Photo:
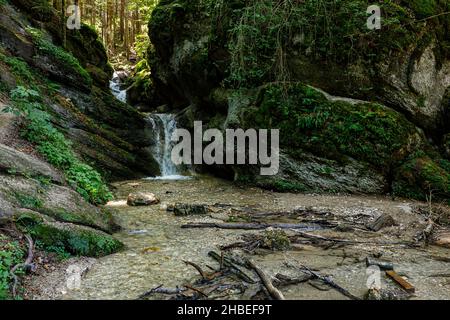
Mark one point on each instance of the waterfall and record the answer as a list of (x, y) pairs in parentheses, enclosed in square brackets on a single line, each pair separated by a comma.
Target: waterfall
[(164, 125), (115, 86)]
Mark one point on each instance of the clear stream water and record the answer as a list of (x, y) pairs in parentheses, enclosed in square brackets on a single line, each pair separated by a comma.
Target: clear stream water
[(156, 245)]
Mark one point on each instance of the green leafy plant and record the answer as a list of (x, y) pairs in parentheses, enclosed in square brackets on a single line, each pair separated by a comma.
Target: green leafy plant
[(10, 255), (55, 147), (29, 202), (19, 68)]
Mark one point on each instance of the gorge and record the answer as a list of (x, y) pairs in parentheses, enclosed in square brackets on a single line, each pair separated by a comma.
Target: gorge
[(87, 116)]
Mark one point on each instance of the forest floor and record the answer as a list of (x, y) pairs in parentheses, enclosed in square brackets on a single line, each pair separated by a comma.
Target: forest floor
[(334, 240)]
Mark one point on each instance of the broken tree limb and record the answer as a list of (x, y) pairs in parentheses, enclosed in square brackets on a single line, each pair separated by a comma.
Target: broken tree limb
[(27, 265), (231, 266), (247, 226), (282, 280), (327, 280), (196, 267), (162, 290), (346, 241), (274, 292), (196, 290)]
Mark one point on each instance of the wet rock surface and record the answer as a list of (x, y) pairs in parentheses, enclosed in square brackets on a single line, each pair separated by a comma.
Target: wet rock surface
[(141, 199)]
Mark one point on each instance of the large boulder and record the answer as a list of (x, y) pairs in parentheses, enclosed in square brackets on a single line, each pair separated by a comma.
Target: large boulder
[(79, 96), (74, 239), (59, 202)]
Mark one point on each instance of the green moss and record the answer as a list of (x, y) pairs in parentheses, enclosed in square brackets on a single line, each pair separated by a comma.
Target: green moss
[(58, 151), (308, 121), (76, 240), (420, 175), (19, 68), (65, 59), (28, 201)]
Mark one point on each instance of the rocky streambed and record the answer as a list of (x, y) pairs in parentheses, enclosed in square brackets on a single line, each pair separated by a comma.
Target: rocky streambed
[(156, 245)]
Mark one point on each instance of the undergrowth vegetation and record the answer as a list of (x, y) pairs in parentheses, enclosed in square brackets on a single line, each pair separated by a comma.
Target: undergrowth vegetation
[(52, 144), (262, 33), (10, 254)]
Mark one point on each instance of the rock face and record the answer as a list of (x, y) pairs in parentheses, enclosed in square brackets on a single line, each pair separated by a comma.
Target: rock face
[(110, 134), (358, 110), (17, 162), (72, 86), (142, 199)]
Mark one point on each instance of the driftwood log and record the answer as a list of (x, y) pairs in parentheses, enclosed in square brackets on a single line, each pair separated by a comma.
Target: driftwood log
[(247, 226), (274, 292)]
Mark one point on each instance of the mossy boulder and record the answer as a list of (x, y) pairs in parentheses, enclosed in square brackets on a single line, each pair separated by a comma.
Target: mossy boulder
[(421, 176), (74, 239), (59, 202)]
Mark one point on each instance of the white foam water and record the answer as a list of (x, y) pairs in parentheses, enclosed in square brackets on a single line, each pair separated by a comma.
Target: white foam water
[(114, 85), (164, 125)]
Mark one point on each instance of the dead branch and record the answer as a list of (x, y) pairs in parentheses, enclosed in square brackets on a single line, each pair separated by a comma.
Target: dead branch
[(274, 292), (197, 267), (246, 226), (282, 280), (346, 241), (231, 266), (162, 290), (327, 280)]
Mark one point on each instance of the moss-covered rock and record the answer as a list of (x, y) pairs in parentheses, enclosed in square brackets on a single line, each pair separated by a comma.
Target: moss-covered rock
[(421, 176), (58, 202), (74, 239)]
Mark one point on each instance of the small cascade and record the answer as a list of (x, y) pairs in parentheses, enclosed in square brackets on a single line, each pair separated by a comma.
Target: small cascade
[(115, 86), (164, 125)]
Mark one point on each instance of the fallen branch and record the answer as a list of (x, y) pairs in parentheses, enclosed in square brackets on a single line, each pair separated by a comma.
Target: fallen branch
[(282, 280), (274, 292), (327, 280), (231, 266), (27, 265), (196, 290), (247, 226), (162, 290), (346, 241), (197, 267)]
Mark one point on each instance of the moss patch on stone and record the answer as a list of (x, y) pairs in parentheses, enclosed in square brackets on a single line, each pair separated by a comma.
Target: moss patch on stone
[(65, 59), (76, 240), (309, 121), (421, 176)]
